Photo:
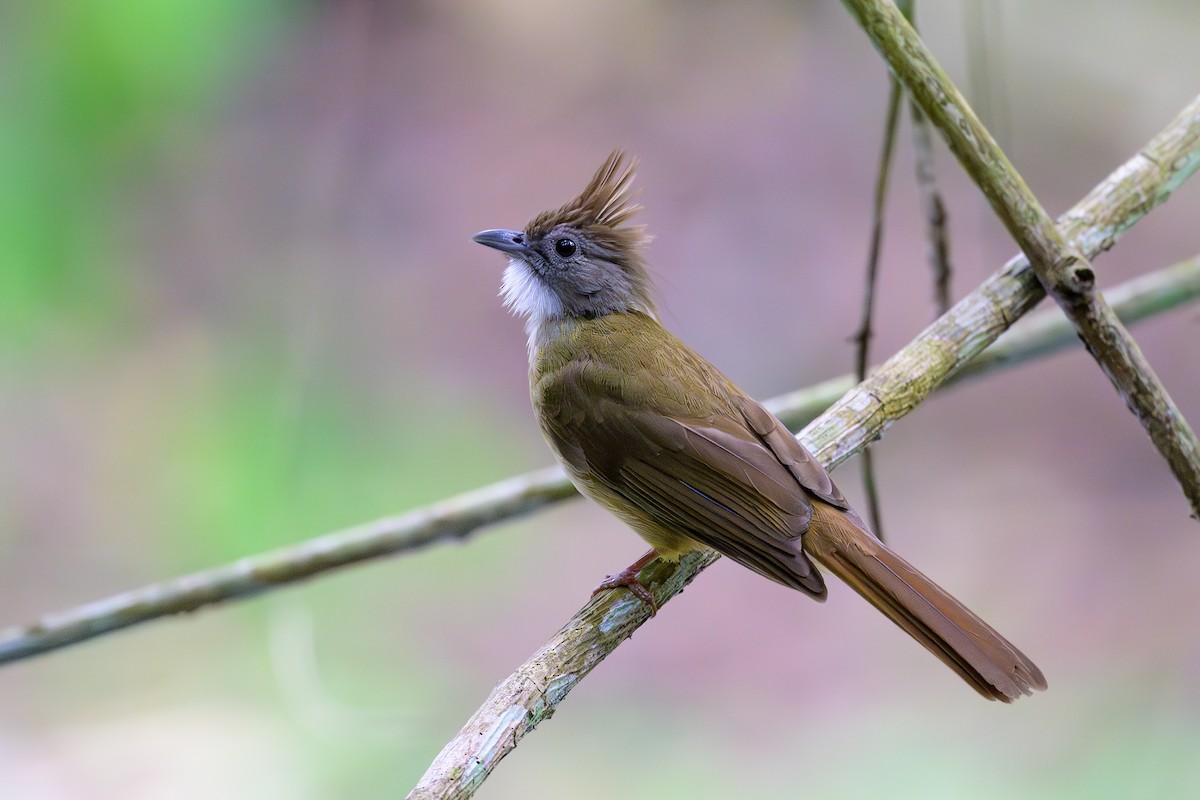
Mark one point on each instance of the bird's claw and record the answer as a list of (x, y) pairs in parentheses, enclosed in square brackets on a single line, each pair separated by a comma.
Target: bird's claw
[(629, 579)]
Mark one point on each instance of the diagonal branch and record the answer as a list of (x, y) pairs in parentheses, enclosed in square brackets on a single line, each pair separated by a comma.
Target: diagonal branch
[(1032, 337), (1061, 267), (530, 694)]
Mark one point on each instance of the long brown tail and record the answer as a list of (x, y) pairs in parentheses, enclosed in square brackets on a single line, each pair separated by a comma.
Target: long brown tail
[(946, 627)]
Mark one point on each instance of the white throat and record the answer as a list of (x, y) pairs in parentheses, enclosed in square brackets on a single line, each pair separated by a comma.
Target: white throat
[(528, 297)]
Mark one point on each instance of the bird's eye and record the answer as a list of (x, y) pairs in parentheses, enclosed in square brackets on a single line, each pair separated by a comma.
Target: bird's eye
[(565, 247)]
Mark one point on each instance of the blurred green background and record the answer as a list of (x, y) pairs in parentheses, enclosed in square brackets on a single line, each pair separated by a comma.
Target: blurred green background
[(239, 307)]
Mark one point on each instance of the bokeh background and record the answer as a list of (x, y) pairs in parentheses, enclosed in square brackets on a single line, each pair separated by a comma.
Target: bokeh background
[(239, 307)]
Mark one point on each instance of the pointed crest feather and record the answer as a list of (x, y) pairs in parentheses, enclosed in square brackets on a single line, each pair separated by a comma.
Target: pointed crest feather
[(602, 208), (601, 212)]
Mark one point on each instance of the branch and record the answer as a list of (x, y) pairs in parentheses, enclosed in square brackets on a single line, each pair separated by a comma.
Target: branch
[(931, 198), (452, 518), (865, 333), (1061, 267), (531, 694), (936, 227)]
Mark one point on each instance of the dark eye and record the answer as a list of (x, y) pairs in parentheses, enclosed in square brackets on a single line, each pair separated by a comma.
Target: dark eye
[(565, 247)]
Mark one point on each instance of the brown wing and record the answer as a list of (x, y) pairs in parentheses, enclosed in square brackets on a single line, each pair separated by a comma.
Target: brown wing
[(713, 480), (783, 445)]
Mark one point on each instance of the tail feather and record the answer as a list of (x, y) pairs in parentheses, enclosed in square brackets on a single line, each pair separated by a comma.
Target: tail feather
[(948, 629)]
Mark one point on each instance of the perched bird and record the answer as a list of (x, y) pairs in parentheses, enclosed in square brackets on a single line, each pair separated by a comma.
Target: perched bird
[(657, 435)]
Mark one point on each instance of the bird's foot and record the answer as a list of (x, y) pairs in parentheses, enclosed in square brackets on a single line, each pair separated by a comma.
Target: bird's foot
[(628, 578)]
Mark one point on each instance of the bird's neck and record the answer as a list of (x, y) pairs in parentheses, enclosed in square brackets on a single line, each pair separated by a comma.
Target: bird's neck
[(545, 332), (628, 357), (554, 341), (553, 331), (548, 316)]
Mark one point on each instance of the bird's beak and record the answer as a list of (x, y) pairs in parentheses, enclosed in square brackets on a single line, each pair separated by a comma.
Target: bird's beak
[(512, 242)]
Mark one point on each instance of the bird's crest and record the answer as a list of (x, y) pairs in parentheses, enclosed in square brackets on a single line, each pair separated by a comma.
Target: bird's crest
[(602, 209)]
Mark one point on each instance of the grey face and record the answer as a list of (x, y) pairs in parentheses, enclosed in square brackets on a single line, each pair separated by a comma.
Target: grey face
[(562, 273)]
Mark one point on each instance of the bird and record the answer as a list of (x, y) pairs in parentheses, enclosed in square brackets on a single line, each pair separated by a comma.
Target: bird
[(657, 435)]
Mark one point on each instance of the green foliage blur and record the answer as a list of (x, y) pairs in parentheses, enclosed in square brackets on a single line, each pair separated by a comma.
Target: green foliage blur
[(88, 92), (159, 419), (95, 98)]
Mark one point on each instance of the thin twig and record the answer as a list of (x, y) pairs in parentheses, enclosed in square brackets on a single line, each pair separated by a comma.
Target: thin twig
[(1095, 224), (937, 232), (865, 333), (455, 517), (1061, 267)]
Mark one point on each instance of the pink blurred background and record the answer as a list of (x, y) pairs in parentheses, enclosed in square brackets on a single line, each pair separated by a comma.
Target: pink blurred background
[(268, 321)]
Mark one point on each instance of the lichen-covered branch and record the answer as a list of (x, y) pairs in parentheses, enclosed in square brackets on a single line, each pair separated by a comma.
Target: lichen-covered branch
[(529, 695), (1060, 265)]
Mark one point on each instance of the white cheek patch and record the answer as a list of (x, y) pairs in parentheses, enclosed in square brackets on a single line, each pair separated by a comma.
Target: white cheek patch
[(526, 296)]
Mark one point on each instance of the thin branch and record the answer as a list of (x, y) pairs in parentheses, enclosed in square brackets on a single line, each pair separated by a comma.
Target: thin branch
[(878, 209), (1061, 267), (937, 231), (455, 517), (1095, 224), (865, 333)]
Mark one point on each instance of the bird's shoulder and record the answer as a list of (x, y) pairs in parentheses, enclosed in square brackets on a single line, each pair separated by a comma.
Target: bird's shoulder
[(628, 359)]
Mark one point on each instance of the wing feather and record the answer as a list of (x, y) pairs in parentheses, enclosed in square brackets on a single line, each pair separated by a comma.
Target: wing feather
[(712, 480)]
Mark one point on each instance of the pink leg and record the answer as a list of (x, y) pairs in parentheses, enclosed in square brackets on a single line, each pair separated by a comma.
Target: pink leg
[(628, 578)]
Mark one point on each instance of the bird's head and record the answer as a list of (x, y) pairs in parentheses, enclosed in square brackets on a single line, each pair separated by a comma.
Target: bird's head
[(581, 260)]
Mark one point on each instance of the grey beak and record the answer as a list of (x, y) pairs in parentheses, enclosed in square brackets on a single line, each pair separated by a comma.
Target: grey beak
[(511, 242)]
